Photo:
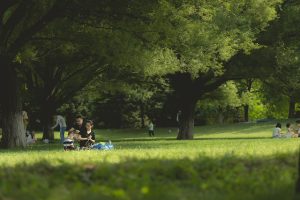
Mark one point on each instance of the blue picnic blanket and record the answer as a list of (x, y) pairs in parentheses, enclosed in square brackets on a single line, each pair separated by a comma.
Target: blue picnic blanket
[(102, 146)]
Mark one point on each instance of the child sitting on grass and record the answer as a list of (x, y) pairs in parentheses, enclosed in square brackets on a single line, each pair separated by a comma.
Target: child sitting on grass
[(91, 142), (290, 131), (69, 141), (91, 139), (277, 131)]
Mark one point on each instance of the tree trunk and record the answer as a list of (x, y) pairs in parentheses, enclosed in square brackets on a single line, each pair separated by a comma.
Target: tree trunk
[(249, 83), (292, 108), (246, 113), (13, 130), (48, 132), (47, 121), (142, 115), (221, 118), (186, 119)]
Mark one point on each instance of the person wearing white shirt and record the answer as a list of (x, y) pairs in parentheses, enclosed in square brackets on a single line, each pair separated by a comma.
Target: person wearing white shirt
[(151, 129), (277, 131), (61, 122)]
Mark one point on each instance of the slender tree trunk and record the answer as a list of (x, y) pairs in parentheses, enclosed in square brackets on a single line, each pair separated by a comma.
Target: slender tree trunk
[(142, 110), (13, 128), (48, 112), (292, 108), (249, 83), (221, 118), (246, 113), (186, 120)]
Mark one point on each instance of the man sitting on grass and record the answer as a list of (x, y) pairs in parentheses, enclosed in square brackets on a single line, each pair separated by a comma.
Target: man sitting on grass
[(86, 136)]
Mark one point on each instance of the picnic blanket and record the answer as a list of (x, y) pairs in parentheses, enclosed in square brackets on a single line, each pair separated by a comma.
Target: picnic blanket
[(102, 146)]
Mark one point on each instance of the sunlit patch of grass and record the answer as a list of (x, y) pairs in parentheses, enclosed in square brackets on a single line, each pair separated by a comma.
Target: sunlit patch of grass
[(223, 162)]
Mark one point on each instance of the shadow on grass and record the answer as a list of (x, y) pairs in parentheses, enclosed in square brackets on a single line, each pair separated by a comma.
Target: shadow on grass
[(227, 177)]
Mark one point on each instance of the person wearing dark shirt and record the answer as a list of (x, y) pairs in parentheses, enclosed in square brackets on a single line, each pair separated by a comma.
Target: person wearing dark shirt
[(80, 125), (86, 135), (90, 133)]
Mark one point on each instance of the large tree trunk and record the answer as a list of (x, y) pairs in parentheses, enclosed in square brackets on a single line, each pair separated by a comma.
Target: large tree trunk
[(246, 113), (292, 108), (186, 119), (13, 130)]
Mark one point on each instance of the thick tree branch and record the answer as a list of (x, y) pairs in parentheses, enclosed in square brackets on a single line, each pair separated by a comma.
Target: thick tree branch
[(54, 12)]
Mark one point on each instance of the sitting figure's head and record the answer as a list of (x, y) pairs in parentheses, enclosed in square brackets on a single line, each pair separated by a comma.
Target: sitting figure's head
[(278, 125), (288, 125), (72, 133), (89, 125), (79, 120)]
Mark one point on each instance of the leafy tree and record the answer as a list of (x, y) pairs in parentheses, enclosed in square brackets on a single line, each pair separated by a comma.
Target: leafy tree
[(221, 101), (199, 38), (22, 22), (19, 21), (283, 40), (285, 78)]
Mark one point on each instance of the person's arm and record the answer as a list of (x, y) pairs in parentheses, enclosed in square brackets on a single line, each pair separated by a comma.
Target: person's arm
[(81, 138), (53, 127), (92, 138)]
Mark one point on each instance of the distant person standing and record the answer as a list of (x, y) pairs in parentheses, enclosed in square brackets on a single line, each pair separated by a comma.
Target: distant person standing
[(61, 122), (151, 129), (25, 119), (178, 119)]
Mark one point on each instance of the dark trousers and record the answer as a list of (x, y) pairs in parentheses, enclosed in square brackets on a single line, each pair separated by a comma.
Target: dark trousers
[(151, 133)]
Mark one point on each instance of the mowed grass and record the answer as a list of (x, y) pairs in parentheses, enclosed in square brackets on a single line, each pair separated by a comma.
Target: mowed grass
[(238, 161)]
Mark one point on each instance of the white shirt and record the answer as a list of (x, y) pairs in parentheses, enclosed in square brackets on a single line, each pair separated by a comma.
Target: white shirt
[(151, 127), (276, 132), (60, 121)]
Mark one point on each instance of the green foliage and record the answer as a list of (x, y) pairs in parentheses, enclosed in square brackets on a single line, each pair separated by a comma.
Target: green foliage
[(220, 105), (199, 36)]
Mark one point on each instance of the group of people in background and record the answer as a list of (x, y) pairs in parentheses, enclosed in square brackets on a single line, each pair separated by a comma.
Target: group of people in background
[(81, 133), (292, 131)]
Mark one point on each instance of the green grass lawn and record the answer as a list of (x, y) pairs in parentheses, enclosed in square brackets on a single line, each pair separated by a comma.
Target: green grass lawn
[(223, 162)]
